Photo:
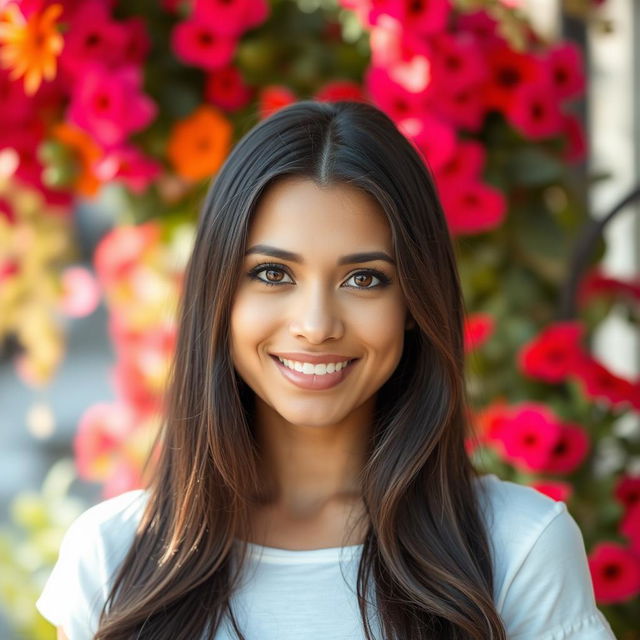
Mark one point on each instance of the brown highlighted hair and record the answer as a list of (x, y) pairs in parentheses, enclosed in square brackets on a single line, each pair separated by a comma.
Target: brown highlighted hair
[(426, 564)]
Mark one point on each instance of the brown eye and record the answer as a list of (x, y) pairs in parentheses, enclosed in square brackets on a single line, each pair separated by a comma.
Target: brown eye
[(363, 279), (273, 275)]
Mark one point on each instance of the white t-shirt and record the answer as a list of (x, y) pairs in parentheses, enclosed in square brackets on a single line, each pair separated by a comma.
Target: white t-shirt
[(542, 591)]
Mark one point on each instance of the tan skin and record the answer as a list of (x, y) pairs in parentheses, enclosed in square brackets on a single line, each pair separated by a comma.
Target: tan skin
[(314, 442)]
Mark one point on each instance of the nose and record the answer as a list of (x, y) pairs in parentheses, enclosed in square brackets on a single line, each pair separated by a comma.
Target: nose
[(316, 316)]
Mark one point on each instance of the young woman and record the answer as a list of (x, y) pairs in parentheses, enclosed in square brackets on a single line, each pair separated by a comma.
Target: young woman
[(313, 481)]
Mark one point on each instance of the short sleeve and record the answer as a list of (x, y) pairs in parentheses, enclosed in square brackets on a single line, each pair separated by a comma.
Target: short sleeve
[(549, 594), (71, 597)]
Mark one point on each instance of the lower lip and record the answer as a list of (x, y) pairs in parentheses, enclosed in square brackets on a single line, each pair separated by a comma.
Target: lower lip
[(311, 381)]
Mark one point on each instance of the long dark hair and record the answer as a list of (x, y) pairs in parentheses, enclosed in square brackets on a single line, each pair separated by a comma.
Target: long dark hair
[(426, 547)]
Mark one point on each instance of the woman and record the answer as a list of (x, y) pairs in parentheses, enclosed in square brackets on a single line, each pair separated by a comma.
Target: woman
[(312, 480)]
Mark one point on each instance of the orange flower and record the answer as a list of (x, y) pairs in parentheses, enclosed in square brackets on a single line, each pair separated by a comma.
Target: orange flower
[(30, 47), (199, 144), (88, 153)]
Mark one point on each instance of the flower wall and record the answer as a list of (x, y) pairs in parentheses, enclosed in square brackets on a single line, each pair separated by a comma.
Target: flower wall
[(148, 99)]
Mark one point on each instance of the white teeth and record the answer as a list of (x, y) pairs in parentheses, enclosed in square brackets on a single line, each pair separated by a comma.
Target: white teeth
[(311, 369)]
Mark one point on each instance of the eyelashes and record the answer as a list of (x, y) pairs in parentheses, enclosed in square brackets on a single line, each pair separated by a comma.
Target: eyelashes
[(384, 280)]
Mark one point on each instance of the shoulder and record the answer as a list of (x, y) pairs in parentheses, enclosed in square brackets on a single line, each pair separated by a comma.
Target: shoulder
[(542, 583)]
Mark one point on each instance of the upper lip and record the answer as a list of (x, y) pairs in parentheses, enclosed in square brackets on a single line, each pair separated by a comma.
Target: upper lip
[(313, 358)]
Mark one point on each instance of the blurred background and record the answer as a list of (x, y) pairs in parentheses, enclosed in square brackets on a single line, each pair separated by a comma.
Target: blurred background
[(114, 117)]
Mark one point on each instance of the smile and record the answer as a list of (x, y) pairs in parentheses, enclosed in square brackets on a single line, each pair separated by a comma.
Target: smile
[(317, 377)]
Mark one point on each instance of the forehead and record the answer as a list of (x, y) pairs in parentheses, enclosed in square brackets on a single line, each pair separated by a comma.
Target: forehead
[(298, 212)]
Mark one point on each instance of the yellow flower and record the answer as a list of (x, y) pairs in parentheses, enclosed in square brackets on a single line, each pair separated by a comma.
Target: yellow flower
[(30, 47)]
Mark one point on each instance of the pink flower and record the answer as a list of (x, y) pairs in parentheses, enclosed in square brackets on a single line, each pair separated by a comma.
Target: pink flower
[(425, 17), (119, 251), (225, 88), (472, 206), (559, 491), (395, 100), (109, 104), (529, 435), (467, 162), (477, 330), (231, 17), (464, 107), (615, 572), (482, 26), (197, 41), (534, 111), (569, 451), (565, 66), (457, 62), (81, 293), (15, 106), (128, 165), (101, 431), (92, 37), (136, 41), (554, 353), (433, 138), (627, 490)]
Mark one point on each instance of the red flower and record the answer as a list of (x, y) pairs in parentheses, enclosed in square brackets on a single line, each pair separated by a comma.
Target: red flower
[(478, 327), (576, 140), (615, 572), (197, 41), (425, 17), (509, 71), (467, 162), (596, 283), (225, 88), (529, 435), (433, 138), (457, 62), (565, 66), (463, 106), (630, 527), (231, 17), (569, 451), (491, 420), (472, 206), (559, 491), (341, 90), (274, 98), (554, 353), (600, 383), (393, 99), (627, 491), (534, 111)]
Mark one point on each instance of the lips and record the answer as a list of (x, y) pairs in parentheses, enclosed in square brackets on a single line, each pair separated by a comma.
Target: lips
[(312, 381)]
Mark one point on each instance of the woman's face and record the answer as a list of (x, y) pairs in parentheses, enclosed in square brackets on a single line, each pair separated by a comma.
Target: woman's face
[(318, 300)]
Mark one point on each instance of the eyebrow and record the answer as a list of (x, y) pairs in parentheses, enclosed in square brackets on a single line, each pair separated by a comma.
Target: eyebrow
[(352, 258)]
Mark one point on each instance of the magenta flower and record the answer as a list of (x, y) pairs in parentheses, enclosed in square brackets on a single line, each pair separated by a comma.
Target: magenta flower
[(109, 104), (426, 17), (464, 107), (231, 17), (556, 490), (569, 451), (136, 41), (467, 162), (128, 165), (630, 527), (534, 111), (92, 37), (434, 139), (615, 572), (197, 41), (457, 62), (566, 70), (529, 435), (396, 101), (576, 139), (471, 206)]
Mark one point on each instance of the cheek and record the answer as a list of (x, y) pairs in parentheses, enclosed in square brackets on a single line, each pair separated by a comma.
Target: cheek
[(251, 323)]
